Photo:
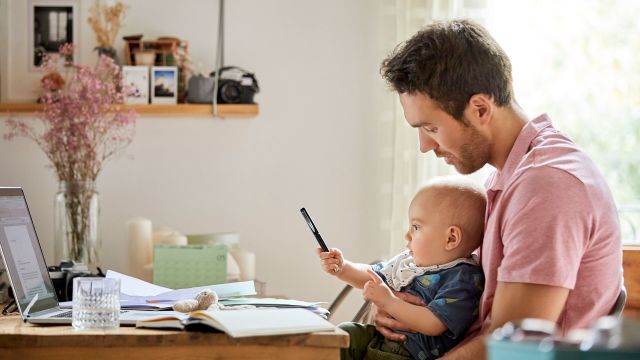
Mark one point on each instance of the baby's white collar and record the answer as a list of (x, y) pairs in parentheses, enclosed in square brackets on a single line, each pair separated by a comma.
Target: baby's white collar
[(473, 260)]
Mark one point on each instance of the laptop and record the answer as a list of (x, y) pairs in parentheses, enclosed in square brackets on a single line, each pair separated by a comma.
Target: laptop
[(32, 287)]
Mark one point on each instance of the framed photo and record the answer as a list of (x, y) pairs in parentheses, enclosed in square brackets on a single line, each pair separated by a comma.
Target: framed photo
[(51, 24), (137, 77), (164, 85)]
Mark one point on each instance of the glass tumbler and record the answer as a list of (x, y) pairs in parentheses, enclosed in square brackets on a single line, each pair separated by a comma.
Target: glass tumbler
[(96, 303)]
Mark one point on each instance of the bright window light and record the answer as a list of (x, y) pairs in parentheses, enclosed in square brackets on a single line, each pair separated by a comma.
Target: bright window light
[(577, 60)]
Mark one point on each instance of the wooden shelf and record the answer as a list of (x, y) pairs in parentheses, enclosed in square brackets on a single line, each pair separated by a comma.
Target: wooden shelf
[(224, 110)]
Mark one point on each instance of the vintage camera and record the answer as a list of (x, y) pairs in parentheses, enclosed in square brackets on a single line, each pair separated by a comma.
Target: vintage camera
[(62, 277), (236, 86)]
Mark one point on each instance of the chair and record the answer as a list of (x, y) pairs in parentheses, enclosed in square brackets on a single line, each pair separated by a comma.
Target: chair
[(618, 306), (360, 315)]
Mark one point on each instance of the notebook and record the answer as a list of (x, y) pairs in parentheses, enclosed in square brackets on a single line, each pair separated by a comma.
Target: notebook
[(27, 269), (244, 322)]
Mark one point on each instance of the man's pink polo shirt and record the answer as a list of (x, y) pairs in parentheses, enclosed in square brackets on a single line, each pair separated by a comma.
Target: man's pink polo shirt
[(551, 220)]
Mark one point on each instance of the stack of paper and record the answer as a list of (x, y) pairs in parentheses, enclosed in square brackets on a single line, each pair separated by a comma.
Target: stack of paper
[(277, 303), (136, 294), (141, 295)]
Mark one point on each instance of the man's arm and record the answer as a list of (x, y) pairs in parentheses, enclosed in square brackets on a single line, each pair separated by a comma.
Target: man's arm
[(386, 324), (416, 317), (514, 301)]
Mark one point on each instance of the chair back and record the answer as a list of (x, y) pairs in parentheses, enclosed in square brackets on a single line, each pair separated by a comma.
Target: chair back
[(618, 306), (362, 314)]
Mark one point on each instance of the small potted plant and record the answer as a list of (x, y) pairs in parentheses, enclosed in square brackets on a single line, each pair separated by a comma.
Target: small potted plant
[(106, 21)]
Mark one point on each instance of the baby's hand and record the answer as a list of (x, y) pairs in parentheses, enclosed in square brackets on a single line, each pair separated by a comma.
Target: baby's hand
[(331, 261), (376, 291)]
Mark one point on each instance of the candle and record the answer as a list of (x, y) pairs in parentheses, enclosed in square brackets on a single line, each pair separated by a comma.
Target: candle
[(139, 240), (168, 236), (246, 262)]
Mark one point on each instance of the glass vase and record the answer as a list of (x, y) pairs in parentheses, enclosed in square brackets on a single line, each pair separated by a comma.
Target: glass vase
[(110, 52), (76, 223)]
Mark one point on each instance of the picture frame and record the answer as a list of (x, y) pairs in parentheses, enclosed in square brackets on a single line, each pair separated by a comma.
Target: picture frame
[(138, 78), (51, 24), (164, 85)]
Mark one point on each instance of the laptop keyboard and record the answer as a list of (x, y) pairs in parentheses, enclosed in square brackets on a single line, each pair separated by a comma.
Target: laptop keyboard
[(66, 314)]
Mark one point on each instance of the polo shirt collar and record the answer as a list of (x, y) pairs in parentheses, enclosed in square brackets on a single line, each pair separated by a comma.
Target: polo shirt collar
[(520, 147)]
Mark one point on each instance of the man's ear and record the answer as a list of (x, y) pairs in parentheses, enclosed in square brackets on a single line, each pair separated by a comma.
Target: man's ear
[(480, 109), (454, 237)]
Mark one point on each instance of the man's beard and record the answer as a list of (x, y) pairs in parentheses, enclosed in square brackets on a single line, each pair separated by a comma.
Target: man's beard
[(474, 152)]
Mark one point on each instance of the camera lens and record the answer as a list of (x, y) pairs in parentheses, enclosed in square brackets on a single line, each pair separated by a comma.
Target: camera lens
[(230, 93), (59, 278)]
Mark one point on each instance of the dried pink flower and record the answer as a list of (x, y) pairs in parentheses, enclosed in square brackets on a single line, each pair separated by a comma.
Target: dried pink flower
[(83, 123)]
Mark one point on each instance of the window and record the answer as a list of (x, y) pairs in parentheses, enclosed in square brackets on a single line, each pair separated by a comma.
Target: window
[(577, 61)]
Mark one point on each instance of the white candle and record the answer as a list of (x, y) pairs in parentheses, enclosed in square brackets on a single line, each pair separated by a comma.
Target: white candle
[(139, 239), (178, 239), (246, 262), (167, 236)]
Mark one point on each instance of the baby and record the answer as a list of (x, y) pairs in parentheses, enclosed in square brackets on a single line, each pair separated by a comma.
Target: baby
[(446, 224)]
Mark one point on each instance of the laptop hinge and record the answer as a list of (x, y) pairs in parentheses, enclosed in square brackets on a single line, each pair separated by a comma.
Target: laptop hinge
[(28, 308)]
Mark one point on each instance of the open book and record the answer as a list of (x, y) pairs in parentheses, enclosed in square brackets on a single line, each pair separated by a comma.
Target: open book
[(243, 323)]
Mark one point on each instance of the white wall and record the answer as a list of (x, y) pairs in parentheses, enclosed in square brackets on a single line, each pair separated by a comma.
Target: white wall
[(314, 143)]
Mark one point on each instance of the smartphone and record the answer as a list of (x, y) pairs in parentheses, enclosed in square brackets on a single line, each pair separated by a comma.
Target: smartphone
[(314, 230)]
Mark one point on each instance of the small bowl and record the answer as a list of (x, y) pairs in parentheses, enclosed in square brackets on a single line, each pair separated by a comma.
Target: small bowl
[(132, 37), (169, 38)]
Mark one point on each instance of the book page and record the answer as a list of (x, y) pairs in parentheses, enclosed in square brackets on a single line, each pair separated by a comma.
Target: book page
[(172, 320), (259, 322)]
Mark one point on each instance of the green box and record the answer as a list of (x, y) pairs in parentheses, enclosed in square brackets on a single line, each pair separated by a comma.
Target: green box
[(185, 266)]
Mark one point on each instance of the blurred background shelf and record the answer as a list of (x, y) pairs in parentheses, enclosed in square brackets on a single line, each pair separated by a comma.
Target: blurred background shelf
[(189, 110)]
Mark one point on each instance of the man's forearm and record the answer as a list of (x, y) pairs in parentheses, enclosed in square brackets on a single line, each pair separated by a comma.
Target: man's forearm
[(472, 350)]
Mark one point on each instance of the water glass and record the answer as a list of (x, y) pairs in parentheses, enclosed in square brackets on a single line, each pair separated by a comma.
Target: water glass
[(96, 303)]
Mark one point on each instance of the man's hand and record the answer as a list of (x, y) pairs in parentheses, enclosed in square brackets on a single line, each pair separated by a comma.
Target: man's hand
[(386, 325), (376, 291)]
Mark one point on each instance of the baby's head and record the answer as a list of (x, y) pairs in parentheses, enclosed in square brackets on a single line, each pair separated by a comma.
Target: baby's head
[(446, 220)]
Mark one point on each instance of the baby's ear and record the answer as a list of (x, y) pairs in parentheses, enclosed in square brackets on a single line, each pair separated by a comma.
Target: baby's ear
[(454, 237)]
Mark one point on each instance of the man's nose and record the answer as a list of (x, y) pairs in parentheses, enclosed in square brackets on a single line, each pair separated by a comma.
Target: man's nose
[(427, 143)]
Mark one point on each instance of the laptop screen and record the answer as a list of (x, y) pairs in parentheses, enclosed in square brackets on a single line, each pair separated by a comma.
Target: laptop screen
[(22, 253)]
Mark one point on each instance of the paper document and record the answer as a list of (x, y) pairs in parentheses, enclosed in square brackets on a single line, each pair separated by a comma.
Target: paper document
[(269, 302), (139, 294), (241, 288), (278, 303), (136, 287)]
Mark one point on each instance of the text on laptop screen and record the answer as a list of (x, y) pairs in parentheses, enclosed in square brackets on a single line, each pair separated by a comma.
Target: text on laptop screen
[(22, 253)]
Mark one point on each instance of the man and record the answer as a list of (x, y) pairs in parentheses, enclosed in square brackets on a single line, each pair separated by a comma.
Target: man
[(552, 243)]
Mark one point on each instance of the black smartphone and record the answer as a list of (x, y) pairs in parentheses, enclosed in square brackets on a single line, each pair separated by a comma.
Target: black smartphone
[(314, 230)]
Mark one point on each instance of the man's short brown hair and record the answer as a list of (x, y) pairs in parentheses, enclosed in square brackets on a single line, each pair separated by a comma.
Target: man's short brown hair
[(451, 61)]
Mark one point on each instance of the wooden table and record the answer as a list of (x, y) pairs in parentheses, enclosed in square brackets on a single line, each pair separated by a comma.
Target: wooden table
[(26, 341)]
